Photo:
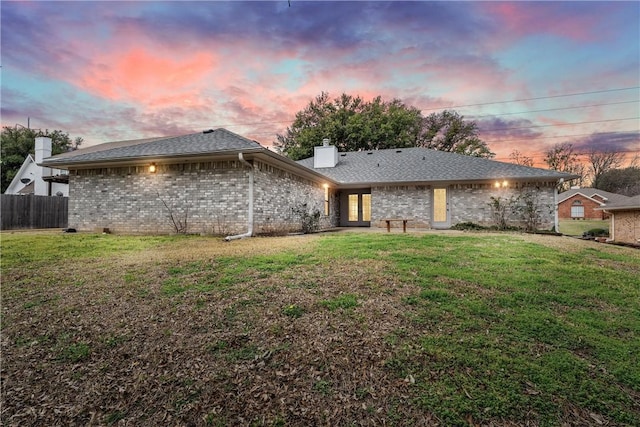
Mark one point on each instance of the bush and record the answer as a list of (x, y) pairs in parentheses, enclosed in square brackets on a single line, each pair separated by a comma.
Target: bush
[(463, 226), (596, 232)]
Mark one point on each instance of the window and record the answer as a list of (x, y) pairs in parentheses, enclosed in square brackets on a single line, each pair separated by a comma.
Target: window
[(577, 210), (353, 207), (326, 200), (366, 207)]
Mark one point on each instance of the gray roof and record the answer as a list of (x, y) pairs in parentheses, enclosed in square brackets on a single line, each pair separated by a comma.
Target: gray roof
[(216, 141), (611, 198), (630, 203), (425, 165)]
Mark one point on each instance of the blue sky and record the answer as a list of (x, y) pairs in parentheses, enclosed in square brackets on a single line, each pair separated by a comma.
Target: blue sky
[(118, 70)]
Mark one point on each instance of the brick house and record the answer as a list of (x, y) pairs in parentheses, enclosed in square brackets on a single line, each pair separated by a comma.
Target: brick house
[(223, 183), (585, 203), (625, 220)]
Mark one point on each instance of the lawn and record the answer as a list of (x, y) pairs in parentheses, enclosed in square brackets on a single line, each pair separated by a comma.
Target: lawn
[(577, 228), (336, 329)]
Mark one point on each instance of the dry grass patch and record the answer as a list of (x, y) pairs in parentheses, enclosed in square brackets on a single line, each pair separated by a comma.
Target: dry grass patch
[(345, 329)]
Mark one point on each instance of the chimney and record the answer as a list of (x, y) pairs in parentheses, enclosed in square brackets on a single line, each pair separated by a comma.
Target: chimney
[(325, 156), (43, 150)]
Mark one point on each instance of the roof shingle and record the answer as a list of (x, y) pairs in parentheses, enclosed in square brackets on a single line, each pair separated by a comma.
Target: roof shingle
[(424, 165), (211, 142)]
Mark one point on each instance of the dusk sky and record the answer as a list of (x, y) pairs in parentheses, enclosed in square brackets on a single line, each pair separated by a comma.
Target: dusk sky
[(108, 71)]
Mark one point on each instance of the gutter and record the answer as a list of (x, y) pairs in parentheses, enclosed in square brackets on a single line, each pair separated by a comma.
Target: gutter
[(249, 232)]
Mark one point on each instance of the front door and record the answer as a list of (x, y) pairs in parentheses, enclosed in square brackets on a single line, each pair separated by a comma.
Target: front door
[(440, 214), (355, 208)]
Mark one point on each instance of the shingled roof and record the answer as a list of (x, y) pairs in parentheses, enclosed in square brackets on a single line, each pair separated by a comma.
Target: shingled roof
[(211, 142), (632, 203), (609, 198), (425, 165)]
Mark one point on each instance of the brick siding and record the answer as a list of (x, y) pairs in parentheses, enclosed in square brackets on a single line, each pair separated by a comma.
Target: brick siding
[(467, 203), (564, 208), (213, 196)]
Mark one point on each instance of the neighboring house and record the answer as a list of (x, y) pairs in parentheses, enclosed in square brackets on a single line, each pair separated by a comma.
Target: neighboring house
[(40, 181), (585, 203), (220, 182), (625, 220)]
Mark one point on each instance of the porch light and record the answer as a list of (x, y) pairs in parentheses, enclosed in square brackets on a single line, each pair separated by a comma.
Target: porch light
[(505, 183), (497, 184), (152, 168)]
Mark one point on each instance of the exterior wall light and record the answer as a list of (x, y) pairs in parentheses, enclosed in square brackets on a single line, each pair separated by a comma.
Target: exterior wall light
[(497, 184), (152, 168), (505, 184)]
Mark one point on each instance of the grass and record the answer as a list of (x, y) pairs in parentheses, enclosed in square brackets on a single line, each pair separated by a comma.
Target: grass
[(577, 228), (387, 329)]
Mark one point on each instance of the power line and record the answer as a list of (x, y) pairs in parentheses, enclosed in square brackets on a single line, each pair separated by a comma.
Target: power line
[(534, 99), (528, 138), (557, 109), (538, 155), (559, 124)]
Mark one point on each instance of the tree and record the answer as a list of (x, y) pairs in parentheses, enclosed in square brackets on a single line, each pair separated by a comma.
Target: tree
[(601, 162), (520, 159), (621, 181), (563, 158), (448, 131), (16, 143), (353, 124)]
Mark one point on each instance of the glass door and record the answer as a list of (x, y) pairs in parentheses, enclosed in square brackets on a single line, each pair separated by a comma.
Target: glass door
[(355, 209)]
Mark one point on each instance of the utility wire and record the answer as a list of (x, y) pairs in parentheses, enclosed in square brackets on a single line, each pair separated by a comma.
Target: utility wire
[(559, 124), (534, 99), (557, 109)]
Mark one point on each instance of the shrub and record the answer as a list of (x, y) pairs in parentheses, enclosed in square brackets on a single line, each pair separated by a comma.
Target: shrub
[(468, 226), (596, 232)]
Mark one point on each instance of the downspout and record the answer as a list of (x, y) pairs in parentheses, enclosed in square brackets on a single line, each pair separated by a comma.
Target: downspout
[(249, 232), (556, 219)]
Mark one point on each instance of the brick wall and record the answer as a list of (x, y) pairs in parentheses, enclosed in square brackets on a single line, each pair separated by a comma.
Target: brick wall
[(467, 203), (212, 196), (407, 202), (626, 226), (278, 193), (564, 208)]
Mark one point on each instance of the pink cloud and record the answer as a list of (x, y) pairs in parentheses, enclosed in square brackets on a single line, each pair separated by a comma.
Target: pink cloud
[(146, 76), (523, 19)]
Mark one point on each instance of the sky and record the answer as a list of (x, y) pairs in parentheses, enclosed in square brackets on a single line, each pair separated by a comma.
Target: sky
[(530, 74)]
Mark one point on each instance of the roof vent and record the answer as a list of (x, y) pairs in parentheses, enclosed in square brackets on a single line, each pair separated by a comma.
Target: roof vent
[(343, 155), (369, 152), (398, 151), (208, 131), (325, 142), (25, 180)]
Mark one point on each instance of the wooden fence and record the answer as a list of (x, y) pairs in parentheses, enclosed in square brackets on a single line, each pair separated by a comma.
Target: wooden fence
[(29, 211)]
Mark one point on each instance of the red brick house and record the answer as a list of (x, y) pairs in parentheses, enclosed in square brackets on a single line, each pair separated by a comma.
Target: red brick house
[(586, 203)]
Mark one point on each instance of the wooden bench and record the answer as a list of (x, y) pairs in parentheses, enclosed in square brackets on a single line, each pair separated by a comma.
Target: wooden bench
[(390, 220)]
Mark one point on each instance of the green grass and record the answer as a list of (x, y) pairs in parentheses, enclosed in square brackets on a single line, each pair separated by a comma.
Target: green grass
[(576, 228), (465, 328)]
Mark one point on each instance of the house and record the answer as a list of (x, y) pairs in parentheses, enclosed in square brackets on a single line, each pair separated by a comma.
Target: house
[(38, 180), (220, 182), (585, 203), (625, 220)]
